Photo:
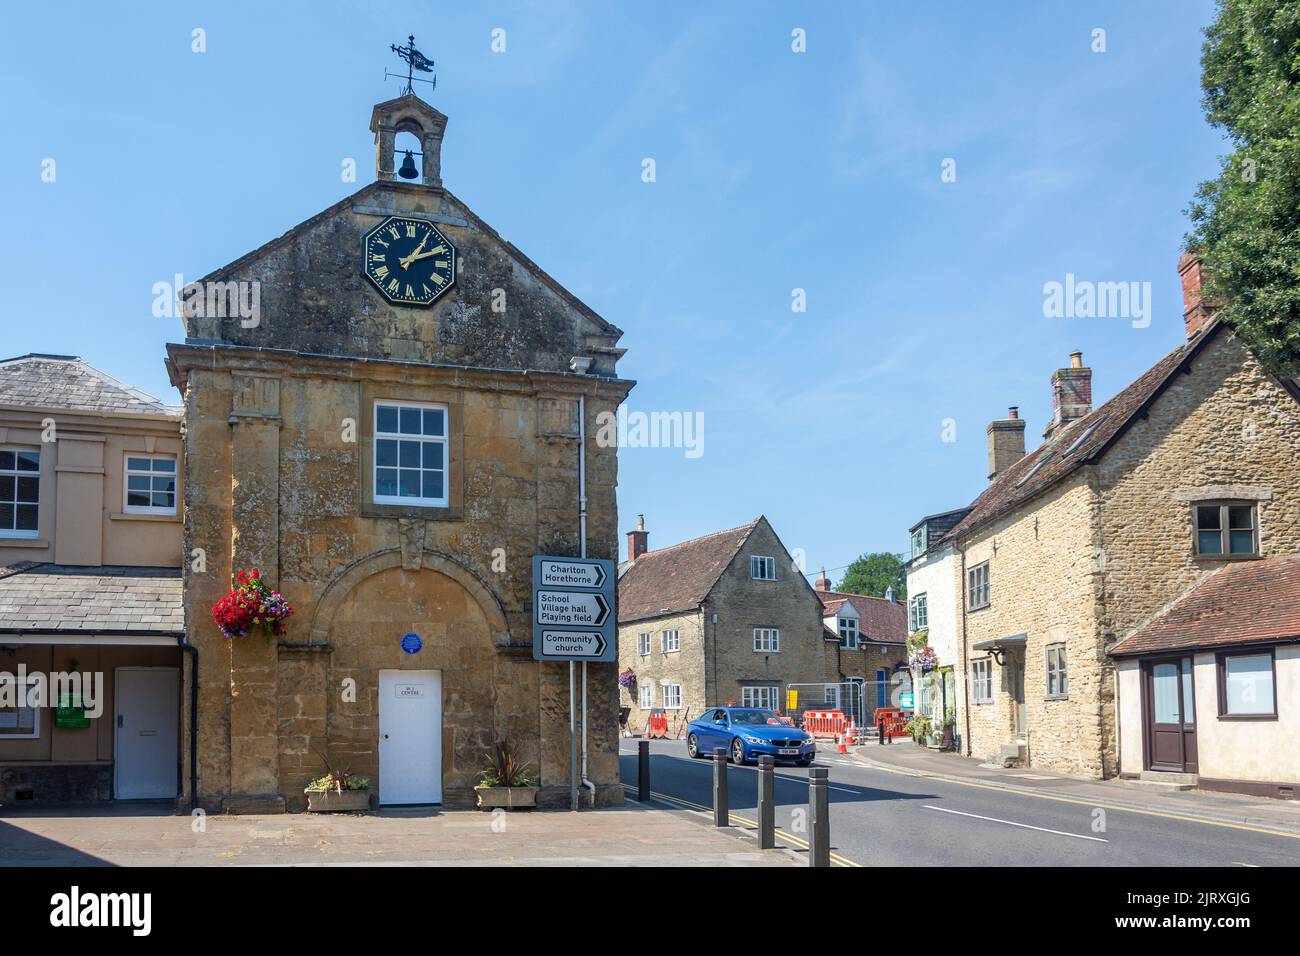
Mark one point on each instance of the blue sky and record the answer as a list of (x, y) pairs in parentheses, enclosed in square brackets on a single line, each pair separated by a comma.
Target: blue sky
[(775, 170)]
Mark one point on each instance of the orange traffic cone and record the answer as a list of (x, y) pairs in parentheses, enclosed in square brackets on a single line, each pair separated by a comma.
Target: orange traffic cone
[(839, 744), (851, 735)]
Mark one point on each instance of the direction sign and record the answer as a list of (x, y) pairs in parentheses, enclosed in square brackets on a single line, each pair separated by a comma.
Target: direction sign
[(574, 616), (573, 645)]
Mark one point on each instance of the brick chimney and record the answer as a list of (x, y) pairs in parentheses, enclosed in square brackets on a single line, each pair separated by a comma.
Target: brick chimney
[(1196, 313), (1071, 394), (1006, 442), (823, 583), (637, 540)]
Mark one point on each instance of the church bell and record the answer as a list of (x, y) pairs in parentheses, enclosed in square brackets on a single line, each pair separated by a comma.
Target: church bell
[(408, 170)]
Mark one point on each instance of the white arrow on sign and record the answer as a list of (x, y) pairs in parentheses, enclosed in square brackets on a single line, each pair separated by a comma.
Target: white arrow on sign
[(558, 573), (571, 608), (572, 644)]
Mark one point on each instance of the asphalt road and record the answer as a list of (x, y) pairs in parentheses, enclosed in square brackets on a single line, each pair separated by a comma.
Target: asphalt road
[(880, 818)]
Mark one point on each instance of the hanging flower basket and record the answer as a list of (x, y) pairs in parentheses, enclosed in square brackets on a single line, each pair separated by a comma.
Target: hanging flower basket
[(925, 660), (251, 605), (627, 679)]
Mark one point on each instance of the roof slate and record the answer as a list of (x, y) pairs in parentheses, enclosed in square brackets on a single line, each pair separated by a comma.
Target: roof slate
[(51, 597), (1076, 443), (677, 578), (67, 382), (1246, 602)]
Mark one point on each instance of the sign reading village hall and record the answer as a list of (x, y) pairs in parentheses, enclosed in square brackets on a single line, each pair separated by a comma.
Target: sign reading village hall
[(573, 609)]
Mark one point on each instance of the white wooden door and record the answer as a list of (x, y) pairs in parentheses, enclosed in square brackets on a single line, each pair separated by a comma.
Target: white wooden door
[(147, 711), (410, 737)]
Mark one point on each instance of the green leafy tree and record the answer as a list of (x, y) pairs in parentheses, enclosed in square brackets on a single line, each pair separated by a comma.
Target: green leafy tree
[(1246, 223), (872, 574)]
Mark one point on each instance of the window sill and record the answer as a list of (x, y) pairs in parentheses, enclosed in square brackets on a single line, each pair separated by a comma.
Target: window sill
[(1057, 697), (1226, 557), (15, 542), (131, 516), (982, 607), (1248, 717)]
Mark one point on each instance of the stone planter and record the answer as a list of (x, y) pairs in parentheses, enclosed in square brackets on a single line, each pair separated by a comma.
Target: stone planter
[(508, 798), (332, 801)]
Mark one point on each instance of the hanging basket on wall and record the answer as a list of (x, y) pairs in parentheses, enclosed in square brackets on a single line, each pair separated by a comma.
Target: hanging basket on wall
[(251, 605)]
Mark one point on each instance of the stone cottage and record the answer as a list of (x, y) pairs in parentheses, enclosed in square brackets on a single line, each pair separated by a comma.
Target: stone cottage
[(389, 441), (723, 618), (1187, 472)]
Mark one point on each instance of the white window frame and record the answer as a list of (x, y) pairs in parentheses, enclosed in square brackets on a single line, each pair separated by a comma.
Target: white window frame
[(128, 472), (672, 696), (670, 640), (981, 681), (762, 568), (1057, 677), (918, 542), (422, 439), (647, 696), (643, 644), (23, 688), (978, 592), (918, 612), (764, 696), (15, 473), (850, 636), (767, 640)]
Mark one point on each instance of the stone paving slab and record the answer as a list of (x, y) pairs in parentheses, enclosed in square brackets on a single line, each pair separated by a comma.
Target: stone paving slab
[(149, 835), (1223, 807)]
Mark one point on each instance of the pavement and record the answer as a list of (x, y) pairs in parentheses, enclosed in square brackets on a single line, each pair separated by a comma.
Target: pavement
[(127, 834), (907, 757), (903, 810)]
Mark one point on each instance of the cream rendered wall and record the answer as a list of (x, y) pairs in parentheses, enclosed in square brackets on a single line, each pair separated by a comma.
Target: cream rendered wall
[(1249, 749), (1131, 730), (933, 575)]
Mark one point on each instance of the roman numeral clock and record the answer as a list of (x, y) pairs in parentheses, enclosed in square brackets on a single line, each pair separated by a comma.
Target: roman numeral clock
[(409, 260)]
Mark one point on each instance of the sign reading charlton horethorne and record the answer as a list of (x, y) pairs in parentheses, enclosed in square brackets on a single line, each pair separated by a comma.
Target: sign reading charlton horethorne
[(574, 618)]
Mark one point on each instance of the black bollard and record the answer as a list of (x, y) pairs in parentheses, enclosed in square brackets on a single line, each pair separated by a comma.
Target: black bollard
[(721, 808), (819, 821), (766, 802), (643, 770), (881, 740)]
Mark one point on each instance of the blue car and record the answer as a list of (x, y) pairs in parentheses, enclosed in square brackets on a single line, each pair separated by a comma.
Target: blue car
[(748, 732)]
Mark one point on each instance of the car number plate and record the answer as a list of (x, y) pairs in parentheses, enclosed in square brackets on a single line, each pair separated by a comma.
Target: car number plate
[(789, 751)]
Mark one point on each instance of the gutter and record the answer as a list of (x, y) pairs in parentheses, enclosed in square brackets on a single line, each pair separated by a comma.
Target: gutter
[(187, 648)]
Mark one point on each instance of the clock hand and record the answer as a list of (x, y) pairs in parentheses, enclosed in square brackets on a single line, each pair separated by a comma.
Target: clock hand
[(432, 252), (406, 262)]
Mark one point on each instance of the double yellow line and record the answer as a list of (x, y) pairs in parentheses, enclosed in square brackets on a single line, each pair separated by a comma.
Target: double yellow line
[(735, 818)]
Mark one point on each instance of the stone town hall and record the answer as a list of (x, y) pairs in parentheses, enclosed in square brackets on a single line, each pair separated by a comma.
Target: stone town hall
[(389, 444)]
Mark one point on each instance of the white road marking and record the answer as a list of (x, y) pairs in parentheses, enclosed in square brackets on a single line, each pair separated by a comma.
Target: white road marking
[(1012, 823)]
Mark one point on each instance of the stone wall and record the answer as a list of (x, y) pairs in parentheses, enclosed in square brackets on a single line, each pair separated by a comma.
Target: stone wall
[(685, 667)]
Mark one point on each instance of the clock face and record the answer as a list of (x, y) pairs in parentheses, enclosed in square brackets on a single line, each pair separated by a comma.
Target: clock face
[(409, 260)]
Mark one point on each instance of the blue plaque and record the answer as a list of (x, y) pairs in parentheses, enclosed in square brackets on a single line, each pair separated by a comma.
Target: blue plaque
[(411, 643)]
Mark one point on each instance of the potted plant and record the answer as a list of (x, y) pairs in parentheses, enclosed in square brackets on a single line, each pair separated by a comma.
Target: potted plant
[(506, 782), (918, 727), (337, 792)]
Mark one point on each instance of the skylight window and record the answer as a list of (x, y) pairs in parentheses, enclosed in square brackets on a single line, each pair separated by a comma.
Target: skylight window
[(1087, 432), (1033, 471)]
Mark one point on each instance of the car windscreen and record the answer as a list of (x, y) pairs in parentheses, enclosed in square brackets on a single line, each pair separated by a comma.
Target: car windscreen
[(744, 716)]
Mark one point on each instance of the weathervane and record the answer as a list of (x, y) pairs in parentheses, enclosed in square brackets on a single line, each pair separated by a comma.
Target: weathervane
[(415, 60)]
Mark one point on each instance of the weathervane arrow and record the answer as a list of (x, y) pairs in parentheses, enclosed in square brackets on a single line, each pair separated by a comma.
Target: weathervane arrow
[(415, 60)]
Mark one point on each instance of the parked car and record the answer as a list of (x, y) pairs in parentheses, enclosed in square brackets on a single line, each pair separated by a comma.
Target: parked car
[(748, 732)]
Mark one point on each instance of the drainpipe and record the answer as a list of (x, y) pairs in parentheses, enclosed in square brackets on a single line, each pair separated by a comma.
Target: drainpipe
[(965, 663), (190, 649), (582, 552)]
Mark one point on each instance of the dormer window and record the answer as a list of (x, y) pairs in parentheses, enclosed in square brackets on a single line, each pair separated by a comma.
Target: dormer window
[(918, 541), (848, 633)]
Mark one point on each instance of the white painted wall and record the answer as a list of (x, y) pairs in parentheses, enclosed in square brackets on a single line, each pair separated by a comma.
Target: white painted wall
[(934, 575), (1263, 750)]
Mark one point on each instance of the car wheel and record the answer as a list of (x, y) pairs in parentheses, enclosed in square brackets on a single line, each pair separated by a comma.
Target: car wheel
[(737, 752), (805, 761), (693, 746)]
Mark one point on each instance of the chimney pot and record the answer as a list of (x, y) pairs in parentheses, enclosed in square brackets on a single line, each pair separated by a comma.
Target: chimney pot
[(1013, 412), (1076, 359), (823, 583)]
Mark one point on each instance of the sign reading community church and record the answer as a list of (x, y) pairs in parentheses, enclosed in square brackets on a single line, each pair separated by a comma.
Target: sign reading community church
[(573, 609)]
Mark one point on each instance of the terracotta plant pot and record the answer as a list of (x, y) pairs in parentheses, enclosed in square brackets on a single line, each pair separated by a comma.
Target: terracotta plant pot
[(508, 798), (332, 801)]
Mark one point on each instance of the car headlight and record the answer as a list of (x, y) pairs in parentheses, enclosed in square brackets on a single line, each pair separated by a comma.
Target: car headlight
[(753, 740), (810, 739)]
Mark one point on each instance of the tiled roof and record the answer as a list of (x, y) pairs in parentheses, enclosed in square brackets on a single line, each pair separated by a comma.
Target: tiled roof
[(879, 621), (66, 382), (52, 597), (1245, 602), (1076, 443), (678, 578)]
